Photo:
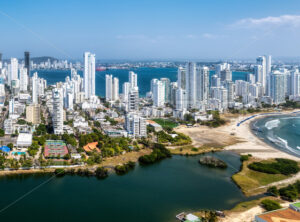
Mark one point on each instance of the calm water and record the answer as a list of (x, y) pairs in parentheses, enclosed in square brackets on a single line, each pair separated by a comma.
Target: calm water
[(282, 132), (144, 77), (152, 193)]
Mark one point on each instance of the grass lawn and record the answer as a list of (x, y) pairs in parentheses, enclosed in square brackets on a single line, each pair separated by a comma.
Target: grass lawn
[(249, 180), (165, 122), (191, 150), (241, 207)]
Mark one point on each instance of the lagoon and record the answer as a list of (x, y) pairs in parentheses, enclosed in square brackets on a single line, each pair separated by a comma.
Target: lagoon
[(148, 193)]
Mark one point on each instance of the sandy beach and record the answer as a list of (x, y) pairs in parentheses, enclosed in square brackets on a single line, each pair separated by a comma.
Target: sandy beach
[(235, 138)]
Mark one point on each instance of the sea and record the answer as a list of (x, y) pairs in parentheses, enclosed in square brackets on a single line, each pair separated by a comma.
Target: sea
[(145, 75), (281, 132)]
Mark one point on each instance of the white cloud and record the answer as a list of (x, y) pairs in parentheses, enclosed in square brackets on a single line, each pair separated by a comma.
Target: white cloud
[(283, 20), (209, 36)]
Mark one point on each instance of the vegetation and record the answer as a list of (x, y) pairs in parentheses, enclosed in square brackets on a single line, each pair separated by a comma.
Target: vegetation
[(2, 133), (69, 139), (281, 166), (249, 180), (273, 191), (159, 152), (216, 121), (166, 123), (178, 140), (270, 205), (59, 172), (212, 162), (101, 173), (290, 192), (244, 158), (122, 169), (34, 148)]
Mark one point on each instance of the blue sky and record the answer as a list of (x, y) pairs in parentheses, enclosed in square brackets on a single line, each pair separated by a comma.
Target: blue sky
[(156, 29)]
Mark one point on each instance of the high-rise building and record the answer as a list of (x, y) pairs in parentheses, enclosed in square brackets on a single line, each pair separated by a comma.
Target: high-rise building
[(89, 74), (111, 88), (133, 80), (202, 84), (191, 82), (108, 87), (262, 76), (133, 100), (125, 91), (221, 67), (181, 102), (226, 75), (135, 125), (27, 62), (23, 79), (181, 75), (58, 112), (215, 81), (295, 83), (167, 85), (12, 70), (115, 89), (33, 113), (35, 88), (158, 93), (277, 87)]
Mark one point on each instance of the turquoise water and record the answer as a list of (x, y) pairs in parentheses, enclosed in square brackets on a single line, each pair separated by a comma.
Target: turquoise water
[(144, 77), (19, 153), (282, 132), (150, 193)]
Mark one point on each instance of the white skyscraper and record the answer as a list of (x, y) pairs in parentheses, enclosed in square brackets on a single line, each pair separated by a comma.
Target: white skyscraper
[(277, 87), (191, 82), (35, 88), (58, 112), (125, 91), (181, 75), (12, 70), (181, 102), (262, 74), (221, 67), (89, 74), (133, 80), (111, 88), (23, 79), (108, 87), (202, 84), (115, 89), (158, 93), (135, 125), (295, 83)]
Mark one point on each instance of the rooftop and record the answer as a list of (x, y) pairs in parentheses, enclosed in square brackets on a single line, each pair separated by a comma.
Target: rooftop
[(280, 215), (91, 146)]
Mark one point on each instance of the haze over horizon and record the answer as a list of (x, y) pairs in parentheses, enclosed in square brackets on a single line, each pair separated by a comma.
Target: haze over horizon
[(135, 30)]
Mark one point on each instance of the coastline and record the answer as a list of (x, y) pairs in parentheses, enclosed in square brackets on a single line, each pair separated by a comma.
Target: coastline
[(254, 145)]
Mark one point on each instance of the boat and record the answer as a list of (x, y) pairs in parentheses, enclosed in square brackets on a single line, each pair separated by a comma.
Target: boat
[(101, 68)]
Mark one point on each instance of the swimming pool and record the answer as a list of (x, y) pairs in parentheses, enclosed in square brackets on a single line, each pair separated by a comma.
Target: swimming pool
[(18, 153)]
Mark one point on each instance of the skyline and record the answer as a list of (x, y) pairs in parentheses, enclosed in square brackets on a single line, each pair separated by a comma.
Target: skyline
[(150, 29)]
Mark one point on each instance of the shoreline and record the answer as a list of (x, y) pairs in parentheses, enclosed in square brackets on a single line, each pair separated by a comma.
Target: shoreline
[(108, 163), (262, 137), (253, 144)]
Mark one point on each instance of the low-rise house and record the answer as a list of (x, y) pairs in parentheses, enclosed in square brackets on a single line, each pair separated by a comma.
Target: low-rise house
[(24, 140), (155, 125), (91, 147), (286, 214)]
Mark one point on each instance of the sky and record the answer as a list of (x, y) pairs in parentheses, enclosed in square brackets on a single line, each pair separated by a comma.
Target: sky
[(150, 29)]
